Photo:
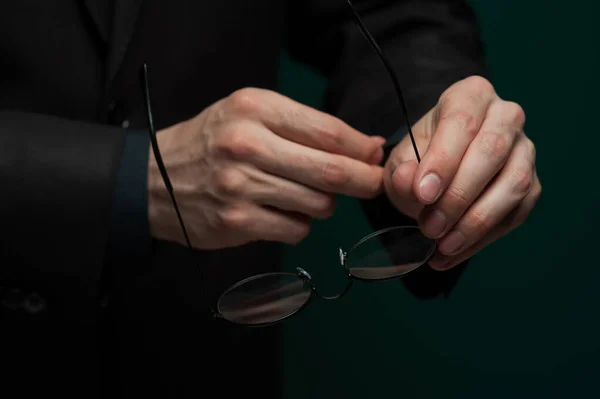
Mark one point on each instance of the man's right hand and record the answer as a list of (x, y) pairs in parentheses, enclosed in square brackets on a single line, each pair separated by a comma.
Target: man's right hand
[(258, 166)]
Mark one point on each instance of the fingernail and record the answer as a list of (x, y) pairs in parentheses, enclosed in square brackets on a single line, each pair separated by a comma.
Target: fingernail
[(434, 224), (379, 140), (430, 187), (377, 156), (452, 243)]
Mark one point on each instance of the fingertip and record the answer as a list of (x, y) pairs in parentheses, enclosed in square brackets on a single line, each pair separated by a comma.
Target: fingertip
[(379, 140), (377, 156), (398, 184), (441, 263), (377, 153), (403, 176)]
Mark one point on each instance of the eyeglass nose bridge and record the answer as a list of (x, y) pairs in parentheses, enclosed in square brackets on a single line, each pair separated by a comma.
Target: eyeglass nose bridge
[(305, 276)]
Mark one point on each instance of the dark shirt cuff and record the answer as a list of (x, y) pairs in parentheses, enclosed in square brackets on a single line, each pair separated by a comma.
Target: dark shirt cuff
[(130, 234), (391, 143)]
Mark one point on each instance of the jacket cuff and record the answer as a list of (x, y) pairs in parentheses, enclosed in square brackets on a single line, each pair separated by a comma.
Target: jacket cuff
[(130, 234), (391, 143)]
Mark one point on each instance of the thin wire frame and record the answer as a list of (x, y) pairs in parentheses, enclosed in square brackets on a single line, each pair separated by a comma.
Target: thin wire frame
[(302, 277), (274, 303)]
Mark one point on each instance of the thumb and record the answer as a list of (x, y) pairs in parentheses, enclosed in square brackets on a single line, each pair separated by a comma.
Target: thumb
[(398, 183)]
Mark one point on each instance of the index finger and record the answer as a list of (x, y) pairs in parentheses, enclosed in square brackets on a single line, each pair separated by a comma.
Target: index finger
[(304, 125), (461, 113), (331, 173)]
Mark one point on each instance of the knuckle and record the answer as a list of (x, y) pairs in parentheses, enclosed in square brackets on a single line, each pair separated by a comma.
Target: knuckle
[(522, 180), (531, 150), (463, 120), (229, 181), (479, 84), (233, 218), (495, 144), (457, 196), (536, 192), (244, 101), (514, 112), (476, 86), (334, 174), (477, 222), (236, 143)]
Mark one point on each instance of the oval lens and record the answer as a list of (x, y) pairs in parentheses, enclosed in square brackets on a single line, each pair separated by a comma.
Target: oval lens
[(390, 253), (264, 299)]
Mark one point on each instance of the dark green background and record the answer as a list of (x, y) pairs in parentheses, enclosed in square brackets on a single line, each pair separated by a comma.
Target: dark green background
[(523, 321)]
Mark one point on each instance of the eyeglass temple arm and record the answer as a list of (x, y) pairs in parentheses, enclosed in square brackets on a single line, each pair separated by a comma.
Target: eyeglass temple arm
[(388, 66), (163, 171), (160, 163)]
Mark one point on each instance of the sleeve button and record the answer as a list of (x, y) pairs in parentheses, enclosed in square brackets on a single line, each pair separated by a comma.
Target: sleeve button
[(34, 303)]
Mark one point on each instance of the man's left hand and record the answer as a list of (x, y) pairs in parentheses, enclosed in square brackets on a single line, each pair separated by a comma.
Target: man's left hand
[(477, 179)]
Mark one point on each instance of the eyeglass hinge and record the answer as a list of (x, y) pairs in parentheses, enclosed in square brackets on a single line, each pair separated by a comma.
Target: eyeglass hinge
[(303, 274), (343, 256)]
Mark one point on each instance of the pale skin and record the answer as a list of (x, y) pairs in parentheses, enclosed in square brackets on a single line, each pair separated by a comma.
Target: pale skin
[(259, 166), (477, 180)]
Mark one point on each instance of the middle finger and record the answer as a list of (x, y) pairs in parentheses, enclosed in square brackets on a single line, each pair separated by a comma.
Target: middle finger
[(289, 196), (506, 193), (317, 169), (484, 158), (461, 115)]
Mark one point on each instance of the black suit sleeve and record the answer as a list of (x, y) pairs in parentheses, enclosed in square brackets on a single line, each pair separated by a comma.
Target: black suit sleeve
[(430, 43), (57, 178)]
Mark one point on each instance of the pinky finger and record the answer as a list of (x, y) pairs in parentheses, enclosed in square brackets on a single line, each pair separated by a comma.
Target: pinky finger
[(513, 220), (257, 223)]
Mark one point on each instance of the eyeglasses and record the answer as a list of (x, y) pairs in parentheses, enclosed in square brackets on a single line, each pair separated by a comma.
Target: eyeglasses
[(270, 298)]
